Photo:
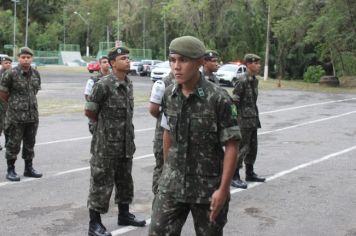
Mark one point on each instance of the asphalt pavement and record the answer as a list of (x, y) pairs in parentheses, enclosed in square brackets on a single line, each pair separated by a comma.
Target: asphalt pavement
[(307, 150)]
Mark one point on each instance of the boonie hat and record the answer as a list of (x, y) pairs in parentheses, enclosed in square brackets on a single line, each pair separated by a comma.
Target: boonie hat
[(187, 46), (117, 51), (25, 50), (251, 58)]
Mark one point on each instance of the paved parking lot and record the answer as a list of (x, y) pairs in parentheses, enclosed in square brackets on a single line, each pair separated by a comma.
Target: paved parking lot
[(307, 150)]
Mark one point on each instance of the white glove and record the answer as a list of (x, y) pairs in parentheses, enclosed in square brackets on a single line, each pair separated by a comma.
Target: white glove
[(157, 92)]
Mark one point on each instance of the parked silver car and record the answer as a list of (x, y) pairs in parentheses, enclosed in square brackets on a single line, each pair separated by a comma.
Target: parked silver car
[(229, 73), (160, 71)]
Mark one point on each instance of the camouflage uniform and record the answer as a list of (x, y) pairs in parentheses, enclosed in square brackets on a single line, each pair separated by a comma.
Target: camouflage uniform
[(3, 107), (112, 146), (199, 126), (89, 87), (212, 78), (157, 143), (21, 122), (245, 96)]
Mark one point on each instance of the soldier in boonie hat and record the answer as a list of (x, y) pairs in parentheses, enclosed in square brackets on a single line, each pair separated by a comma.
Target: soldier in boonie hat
[(117, 51), (25, 50), (187, 46), (250, 58)]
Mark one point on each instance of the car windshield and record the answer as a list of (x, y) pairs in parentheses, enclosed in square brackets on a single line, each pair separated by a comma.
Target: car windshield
[(147, 62), (163, 65), (228, 67)]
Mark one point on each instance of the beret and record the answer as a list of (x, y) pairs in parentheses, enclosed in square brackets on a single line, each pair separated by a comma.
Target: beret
[(117, 51), (6, 58), (211, 54), (251, 57), (25, 50), (187, 46)]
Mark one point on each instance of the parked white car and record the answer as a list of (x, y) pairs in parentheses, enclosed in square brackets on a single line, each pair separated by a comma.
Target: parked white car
[(229, 73), (160, 71)]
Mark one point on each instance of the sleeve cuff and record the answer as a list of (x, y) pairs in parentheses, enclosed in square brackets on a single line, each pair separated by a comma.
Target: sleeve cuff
[(91, 106), (230, 133)]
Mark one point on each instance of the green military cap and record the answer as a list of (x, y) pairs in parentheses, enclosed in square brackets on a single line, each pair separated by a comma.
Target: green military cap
[(117, 51), (187, 46), (6, 58), (209, 54), (251, 58), (25, 50)]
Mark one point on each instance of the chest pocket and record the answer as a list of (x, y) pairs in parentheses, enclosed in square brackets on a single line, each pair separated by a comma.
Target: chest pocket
[(36, 84), (203, 129)]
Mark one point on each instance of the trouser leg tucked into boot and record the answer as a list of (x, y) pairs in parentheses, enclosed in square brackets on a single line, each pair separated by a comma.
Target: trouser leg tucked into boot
[(237, 182), (127, 218), (11, 174), (29, 171), (96, 228), (251, 175)]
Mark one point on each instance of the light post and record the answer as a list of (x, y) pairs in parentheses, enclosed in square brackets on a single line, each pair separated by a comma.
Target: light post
[(87, 23), (26, 32), (165, 34), (265, 73), (14, 40)]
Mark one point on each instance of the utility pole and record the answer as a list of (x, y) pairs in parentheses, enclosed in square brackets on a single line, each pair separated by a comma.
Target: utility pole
[(14, 40), (26, 34), (118, 20), (87, 23), (265, 74), (165, 35)]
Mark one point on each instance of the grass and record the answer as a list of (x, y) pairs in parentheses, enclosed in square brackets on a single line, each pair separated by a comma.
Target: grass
[(62, 69)]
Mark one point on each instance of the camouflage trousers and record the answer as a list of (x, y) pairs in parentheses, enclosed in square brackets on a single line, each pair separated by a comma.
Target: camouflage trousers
[(169, 216), (2, 116), (248, 147), (17, 132), (105, 174), (157, 171)]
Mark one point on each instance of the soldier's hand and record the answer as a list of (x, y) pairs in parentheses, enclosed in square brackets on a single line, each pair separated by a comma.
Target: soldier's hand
[(217, 202)]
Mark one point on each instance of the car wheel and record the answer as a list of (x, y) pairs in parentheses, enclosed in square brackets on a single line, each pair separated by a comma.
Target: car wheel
[(234, 82), (91, 71)]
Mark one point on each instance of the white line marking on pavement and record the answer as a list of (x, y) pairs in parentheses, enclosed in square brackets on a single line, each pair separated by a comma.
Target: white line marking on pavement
[(64, 172), (252, 185), (304, 106), (82, 138), (307, 123), (261, 113)]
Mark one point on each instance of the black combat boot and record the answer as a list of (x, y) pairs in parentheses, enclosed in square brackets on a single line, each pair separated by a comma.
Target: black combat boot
[(251, 175), (237, 182), (11, 174), (29, 171), (96, 228), (127, 218)]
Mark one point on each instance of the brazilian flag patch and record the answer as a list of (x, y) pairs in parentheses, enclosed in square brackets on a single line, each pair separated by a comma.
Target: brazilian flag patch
[(233, 110)]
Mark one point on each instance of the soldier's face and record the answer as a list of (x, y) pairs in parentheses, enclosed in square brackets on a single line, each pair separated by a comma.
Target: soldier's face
[(104, 64), (253, 67), (121, 63), (184, 69), (25, 60), (211, 65), (6, 65)]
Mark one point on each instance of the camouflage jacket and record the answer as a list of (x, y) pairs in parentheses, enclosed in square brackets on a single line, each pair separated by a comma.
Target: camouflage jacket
[(22, 88), (245, 97), (159, 130), (212, 78), (199, 127), (112, 100)]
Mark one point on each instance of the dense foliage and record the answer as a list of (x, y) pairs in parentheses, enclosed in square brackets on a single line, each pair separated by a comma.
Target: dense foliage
[(303, 32)]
